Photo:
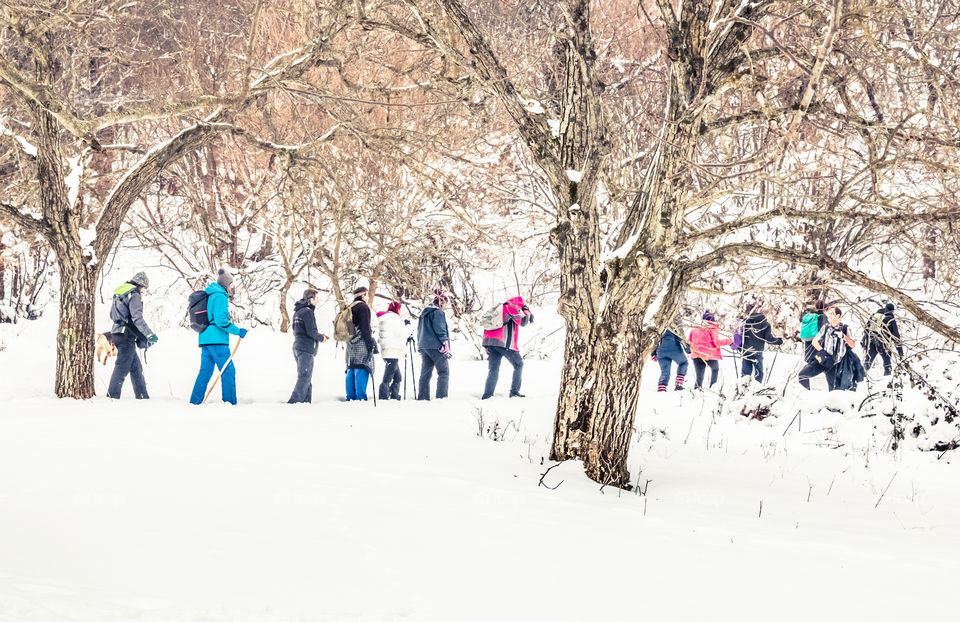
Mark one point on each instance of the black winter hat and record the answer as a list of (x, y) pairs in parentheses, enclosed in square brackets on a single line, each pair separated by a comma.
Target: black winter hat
[(889, 306)]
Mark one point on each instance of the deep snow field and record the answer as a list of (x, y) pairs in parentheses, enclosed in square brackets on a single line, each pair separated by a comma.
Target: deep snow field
[(161, 511)]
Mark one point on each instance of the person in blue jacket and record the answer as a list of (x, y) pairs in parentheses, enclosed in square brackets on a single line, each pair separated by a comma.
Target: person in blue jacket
[(671, 350), (433, 339), (215, 341)]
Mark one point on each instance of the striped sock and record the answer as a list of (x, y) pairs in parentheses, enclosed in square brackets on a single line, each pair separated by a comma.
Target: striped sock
[(679, 382), (661, 388)]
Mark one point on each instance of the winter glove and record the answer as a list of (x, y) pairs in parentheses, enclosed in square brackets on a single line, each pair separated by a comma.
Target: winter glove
[(445, 349), (243, 333), (152, 339), (654, 358), (323, 337)]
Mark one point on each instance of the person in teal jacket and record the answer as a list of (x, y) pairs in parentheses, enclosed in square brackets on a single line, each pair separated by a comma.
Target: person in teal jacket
[(215, 341)]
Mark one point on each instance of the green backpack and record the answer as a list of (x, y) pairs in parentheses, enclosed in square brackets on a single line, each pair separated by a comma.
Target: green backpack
[(809, 327)]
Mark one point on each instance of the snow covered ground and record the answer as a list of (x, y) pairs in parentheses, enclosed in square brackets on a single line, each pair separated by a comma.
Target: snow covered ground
[(160, 511)]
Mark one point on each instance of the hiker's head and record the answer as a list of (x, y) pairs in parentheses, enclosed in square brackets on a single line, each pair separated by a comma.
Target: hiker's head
[(312, 296), (140, 280), (439, 298), (833, 315), (225, 279), (360, 293), (819, 305)]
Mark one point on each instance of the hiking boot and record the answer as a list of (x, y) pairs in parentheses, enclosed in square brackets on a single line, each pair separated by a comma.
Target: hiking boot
[(516, 394)]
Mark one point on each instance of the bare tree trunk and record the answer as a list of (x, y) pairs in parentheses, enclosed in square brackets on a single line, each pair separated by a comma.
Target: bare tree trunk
[(76, 329), (284, 314)]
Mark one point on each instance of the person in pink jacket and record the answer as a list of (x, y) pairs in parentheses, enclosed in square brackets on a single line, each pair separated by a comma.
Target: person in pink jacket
[(502, 343), (705, 345)]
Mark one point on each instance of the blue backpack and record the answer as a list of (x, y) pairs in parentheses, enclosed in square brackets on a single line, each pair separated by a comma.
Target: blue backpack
[(810, 326)]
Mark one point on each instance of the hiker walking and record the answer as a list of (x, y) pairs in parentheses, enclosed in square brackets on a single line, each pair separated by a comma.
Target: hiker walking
[(830, 345), (755, 334), (705, 343), (501, 343), (671, 350), (360, 348), (881, 337), (214, 341), (433, 343), (306, 338), (813, 320), (393, 333), (130, 331)]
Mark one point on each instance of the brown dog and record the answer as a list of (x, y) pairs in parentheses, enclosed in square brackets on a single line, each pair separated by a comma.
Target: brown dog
[(105, 347)]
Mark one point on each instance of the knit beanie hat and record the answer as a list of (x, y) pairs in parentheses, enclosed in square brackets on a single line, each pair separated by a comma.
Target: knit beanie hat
[(889, 306), (394, 307), (224, 279), (140, 279), (708, 316)]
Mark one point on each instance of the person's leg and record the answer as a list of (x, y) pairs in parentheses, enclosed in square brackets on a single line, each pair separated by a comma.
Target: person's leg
[(126, 353), (758, 366), (426, 372), (384, 390), (301, 391), (887, 365), (746, 365), (871, 354), (681, 373), (517, 361), (665, 363), (228, 374), (397, 380), (494, 356), (297, 388), (714, 371), (442, 364), (136, 377), (831, 376), (699, 366), (362, 377), (203, 376), (810, 370), (351, 385)]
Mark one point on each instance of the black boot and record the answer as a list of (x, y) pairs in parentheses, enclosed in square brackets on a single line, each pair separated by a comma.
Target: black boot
[(517, 394)]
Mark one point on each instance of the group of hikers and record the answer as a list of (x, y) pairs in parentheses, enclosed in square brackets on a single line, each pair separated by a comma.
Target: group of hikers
[(209, 315), (828, 347)]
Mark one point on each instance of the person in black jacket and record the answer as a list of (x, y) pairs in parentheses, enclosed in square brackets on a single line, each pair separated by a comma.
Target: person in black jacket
[(306, 337), (756, 335), (130, 331), (881, 337), (360, 348)]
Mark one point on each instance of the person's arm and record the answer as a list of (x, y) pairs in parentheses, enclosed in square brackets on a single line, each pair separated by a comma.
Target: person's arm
[(438, 322), (362, 323), (847, 338), (220, 313), (720, 340), (310, 327), (768, 336), (136, 315), (818, 340), (527, 316)]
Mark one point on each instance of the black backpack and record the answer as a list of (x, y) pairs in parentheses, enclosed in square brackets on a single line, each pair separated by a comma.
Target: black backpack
[(197, 311)]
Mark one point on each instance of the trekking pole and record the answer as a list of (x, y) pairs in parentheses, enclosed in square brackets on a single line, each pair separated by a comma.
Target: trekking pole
[(413, 370), (404, 376), (220, 372), (766, 376), (373, 387)]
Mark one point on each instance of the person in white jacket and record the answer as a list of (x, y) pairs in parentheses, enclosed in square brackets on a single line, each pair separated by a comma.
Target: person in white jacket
[(393, 340)]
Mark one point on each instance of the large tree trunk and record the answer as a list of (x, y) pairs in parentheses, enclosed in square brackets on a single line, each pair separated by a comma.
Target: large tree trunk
[(76, 330), (284, 314)]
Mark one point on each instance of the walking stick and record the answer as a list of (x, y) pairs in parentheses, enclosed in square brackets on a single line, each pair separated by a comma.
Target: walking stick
[(220, 372), (404, 376), (373, 383), (413, 370), (766, 377)]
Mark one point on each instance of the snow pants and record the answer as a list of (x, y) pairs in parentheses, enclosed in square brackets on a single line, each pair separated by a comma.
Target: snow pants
[(495, 354), (390, 385), (215, 356), (429, 360), (814, 368), (872, 352), (751, 363), (700, 366), (357, 379), (127, 363), (665, 362), (303, 389)]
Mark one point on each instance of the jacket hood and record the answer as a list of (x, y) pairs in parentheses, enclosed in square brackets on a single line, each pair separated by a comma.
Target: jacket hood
[(516, 301), (755, 318), (303, 302), (216, 288)]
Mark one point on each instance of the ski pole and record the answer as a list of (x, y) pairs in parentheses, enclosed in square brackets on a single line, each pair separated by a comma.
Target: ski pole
[(413, 370), (404, 376), (766, 377), (220, 372)]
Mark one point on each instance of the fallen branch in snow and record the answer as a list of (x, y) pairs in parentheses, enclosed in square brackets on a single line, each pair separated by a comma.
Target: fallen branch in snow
[(545, 473), (885, 491)]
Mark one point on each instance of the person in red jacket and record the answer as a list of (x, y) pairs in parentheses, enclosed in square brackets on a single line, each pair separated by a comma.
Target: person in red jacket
[(501, 343), (705, 345)]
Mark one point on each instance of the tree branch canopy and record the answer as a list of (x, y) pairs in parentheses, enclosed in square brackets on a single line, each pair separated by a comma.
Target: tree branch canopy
[(838, 269)]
